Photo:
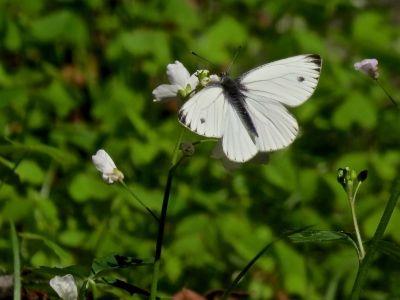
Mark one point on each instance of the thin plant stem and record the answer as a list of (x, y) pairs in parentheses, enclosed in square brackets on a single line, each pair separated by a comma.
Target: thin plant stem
[(161, 225), (205, 141), (365, 264), (394, 102), (178, 143), (93, 287), (140, 201), (359, 241), (17, 263)]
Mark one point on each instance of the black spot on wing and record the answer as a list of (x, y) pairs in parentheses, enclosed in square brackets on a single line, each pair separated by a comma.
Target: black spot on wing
[(300, 78), (202, 120)]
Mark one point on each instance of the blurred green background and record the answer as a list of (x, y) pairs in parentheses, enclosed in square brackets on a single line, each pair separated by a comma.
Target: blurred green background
[(77, 76)]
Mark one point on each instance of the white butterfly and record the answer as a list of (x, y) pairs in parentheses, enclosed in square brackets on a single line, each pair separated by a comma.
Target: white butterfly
[(248, 113)]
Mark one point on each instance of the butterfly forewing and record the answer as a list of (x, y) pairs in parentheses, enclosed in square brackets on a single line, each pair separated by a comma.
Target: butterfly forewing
[(205, 113), (290, 81)]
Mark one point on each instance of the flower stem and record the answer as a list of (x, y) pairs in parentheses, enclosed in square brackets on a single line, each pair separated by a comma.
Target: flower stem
[(394, 102), (353, 214), (205, 141), (93, 287), (161, 226), (176, 150), (17, 264), (140, 201), (363, 270)]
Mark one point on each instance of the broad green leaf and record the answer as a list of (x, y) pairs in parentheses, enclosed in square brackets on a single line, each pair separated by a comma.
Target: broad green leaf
[(131, 289), (62, 25), (75, 271), (57, 249), (389, 249), (114, 261)]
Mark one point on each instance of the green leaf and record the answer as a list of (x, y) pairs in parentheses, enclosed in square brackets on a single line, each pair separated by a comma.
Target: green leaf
[(74, 270), (323, 236), (62, 25), (389, 249), (319, 236), (131, 289), (114, 261), (57, 249)]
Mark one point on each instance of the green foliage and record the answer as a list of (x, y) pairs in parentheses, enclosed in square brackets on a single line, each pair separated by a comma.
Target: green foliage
[(77, 76)]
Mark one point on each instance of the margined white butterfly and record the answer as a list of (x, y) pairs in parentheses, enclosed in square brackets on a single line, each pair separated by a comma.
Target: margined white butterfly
[(249, 113)]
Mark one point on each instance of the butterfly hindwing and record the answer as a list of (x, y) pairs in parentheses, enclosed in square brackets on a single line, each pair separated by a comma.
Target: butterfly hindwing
[(237, 144)]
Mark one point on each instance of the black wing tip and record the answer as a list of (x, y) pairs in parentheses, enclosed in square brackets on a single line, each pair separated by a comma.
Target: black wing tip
[(315, 58)]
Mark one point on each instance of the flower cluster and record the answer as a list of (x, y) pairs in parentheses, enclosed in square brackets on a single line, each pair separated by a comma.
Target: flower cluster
[(183, 86)]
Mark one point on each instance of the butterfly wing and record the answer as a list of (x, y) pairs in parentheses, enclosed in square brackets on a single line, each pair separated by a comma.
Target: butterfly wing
[(289, 81), (205, 113), (237, 143)]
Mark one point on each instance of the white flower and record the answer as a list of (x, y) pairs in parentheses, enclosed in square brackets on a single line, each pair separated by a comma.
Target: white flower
[(218, 153), (65, 287), (214, 78), (368, 67), (103, 162), (181, 84)]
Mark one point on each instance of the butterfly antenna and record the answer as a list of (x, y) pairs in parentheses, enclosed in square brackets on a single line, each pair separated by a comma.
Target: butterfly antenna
[(204, 59), (234, 58)]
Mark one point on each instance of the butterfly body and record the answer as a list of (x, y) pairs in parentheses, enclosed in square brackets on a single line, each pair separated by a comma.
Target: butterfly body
[(249, 113), (232, 90)]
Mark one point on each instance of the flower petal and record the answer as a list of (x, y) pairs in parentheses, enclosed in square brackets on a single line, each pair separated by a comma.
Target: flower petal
[(177, 74), (103, 162), (165, 92), (193, 81), (65, 287)]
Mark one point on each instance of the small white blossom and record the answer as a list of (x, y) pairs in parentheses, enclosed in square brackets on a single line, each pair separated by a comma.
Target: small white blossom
[(65, 287), (218, 153), (181, 84), (368, 67), (103, 162), (214, 78)]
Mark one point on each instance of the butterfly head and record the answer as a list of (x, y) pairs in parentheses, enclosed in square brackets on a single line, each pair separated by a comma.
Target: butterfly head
[(224, 74)]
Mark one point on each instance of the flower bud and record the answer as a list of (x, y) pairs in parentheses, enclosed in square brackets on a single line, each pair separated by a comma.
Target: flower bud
[(362, 176), (187, 149)]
